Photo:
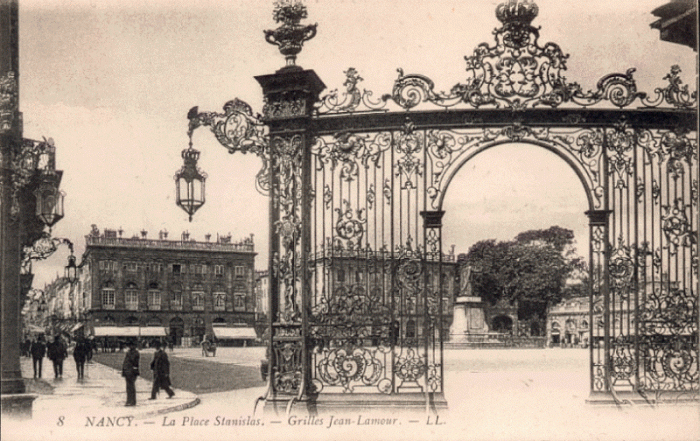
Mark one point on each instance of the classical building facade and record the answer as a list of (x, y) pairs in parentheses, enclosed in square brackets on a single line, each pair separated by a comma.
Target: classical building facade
[(568, 322), (184, 289), (371, 281)]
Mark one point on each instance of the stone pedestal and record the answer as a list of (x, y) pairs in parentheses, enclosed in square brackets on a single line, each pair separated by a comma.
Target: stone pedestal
[(17, 406), (468, 319)]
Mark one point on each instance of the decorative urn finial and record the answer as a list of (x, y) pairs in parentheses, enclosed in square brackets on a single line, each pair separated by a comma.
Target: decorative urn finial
[(290, 37)]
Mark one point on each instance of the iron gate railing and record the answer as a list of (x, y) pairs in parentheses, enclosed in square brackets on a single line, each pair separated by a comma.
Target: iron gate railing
[(357, 181)]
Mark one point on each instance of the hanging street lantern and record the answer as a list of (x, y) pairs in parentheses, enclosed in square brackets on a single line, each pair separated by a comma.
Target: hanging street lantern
[(49, 200), (71, 270), (189, 182)]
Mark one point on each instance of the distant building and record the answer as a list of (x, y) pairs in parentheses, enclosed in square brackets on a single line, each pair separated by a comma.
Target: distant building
[(183, 289), (374, 283), (568, 322), (262, 292)]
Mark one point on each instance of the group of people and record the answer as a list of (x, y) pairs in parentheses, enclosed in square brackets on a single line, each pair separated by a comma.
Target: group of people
[(160, 365), (57, 351)]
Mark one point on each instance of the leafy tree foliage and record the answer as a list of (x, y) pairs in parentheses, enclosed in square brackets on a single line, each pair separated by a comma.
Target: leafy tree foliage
[(531, 270)]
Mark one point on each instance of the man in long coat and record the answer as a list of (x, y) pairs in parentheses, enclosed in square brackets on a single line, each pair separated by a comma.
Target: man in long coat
[(161, 372), (57, 352), (130, 370), (80, 355), (38, 351)]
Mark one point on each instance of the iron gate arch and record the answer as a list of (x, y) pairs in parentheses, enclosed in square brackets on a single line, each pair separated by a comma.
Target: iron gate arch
[(455, 165), (356, 182)]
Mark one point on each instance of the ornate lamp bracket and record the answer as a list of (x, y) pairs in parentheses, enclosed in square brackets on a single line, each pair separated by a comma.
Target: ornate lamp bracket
[(44, 248), (32, 158), (238, 130)]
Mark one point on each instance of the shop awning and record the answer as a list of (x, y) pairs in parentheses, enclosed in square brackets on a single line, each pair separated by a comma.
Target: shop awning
[(36, 329), (76, 327), (224, 333), (152, 331), (129, 331), (116, 331)]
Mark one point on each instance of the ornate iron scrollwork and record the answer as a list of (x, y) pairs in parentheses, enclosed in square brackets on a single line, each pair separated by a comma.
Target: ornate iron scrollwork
[(238, 130), (9, 96), (515, 73), (287, 374)]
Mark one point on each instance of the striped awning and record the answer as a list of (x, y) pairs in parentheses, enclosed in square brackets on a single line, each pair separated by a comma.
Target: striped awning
[(129, 331), (35, 329), (116, 331), (239, 333), (152, 331)]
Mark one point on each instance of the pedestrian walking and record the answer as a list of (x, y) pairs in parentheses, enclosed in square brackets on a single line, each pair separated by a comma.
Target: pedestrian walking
[(90, 347), (38, 351), (161, 372), (57, 352), (26, 347), (130, 370), (80, 356)]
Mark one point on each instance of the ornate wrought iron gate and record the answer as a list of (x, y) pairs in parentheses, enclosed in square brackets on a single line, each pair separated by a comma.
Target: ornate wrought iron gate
[(356, 194)]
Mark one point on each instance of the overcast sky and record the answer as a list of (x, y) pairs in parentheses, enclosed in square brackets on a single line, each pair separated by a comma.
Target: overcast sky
[(111, 82)]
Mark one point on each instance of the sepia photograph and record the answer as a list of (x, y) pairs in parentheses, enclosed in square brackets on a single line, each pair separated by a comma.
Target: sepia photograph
[(343, 219)]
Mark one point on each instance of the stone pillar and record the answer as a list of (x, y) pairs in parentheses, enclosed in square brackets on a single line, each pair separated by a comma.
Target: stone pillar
[(14, 401), (289, 96), (10, 140)]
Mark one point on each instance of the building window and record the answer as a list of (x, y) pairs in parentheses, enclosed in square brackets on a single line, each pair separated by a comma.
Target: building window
[(239, 271), (132, 299), (131, 266), (177, 268), (153, 299), (198, 301), (219, 301), (176, 302), (340, 275), (108, 298), (239, 302), (219, 270), (108, 265), (445, 305)]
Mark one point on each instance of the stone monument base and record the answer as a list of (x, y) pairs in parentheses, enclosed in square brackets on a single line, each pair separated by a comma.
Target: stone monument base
[(17, 406), (354, 405)]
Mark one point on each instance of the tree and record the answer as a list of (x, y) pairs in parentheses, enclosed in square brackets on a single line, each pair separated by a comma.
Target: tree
[(530, 271)]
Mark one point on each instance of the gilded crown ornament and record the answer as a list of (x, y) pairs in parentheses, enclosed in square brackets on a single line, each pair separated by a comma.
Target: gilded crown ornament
[(290, 37), (517, 11)]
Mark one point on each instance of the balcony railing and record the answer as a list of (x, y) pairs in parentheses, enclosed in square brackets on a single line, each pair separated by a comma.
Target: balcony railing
[(363, 254), (246, 246)]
